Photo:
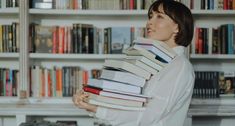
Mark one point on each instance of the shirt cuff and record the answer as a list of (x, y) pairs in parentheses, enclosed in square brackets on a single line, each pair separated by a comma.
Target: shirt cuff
[(101, 113)]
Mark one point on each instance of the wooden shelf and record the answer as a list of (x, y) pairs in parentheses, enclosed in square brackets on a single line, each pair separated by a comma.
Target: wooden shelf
[(213, 12), (87, 12), (9, 10), (42, 110), (212, 56), (120, 12), (76, 56), (9, 55), (65, 107), (212, 107), (40, 106)]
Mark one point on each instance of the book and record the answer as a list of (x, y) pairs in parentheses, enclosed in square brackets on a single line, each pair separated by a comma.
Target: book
[(122, 76), (146, 61), (120, 107), (43, 39), (227, 86), (112, 85), (119, 38), (159, 55), (124, 65), (158, 44), (113, 94), (116, 101), (136, 51), (67, 122), (142, 65), (43, 5)]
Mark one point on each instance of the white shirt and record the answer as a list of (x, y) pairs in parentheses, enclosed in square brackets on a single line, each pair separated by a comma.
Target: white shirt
[(171, 90)]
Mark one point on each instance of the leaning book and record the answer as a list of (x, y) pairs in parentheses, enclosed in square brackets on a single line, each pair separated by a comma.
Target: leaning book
[(113, 85), (122, 76), (124, 65)]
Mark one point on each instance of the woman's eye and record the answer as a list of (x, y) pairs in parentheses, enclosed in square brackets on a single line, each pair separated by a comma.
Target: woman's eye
[(159, 16)]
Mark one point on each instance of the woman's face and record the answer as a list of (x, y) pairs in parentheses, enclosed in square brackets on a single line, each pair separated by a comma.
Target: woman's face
[(161, 27)]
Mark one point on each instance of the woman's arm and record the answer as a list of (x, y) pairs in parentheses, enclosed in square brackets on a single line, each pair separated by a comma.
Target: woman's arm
[(115, 117)]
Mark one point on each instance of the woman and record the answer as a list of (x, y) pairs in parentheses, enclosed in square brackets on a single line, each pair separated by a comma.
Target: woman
[(172, 23)]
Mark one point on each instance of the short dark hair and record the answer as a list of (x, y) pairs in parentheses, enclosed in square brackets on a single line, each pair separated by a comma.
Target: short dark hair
[(181, 15)]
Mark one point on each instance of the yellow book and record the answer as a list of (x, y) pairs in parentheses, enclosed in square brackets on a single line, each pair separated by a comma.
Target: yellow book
[(1, 50)]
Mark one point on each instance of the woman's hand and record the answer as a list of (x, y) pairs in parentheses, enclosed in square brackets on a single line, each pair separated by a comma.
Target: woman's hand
[(79, 99)]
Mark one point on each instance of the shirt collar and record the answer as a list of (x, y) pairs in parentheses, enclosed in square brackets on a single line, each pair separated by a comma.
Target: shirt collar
[(179, 50)]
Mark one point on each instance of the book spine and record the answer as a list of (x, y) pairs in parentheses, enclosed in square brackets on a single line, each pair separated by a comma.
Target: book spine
[(91, 90)]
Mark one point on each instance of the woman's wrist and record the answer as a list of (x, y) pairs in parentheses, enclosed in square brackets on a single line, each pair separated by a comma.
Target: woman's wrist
[(92, 108)]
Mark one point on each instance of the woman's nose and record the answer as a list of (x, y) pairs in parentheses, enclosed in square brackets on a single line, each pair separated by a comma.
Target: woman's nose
[(148, 23)]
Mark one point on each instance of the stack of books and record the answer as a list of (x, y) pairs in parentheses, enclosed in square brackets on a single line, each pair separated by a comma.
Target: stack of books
[(122, 81)]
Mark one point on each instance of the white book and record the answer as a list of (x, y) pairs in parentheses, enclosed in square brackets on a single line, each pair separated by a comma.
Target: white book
[(136, 51), (158, 44), (123, 65), (142, 65), (124, 77), (123, 96), (146, 61), (158, 53), (128, 93), (46, 81), (112, 85), (138, 97), (116, 101), (95, 102), (43, 5)]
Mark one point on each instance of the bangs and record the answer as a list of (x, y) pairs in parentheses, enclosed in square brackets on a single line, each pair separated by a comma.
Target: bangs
[(154, 8)]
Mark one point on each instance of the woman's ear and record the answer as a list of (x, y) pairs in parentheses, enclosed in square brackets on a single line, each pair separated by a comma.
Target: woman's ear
[(176, 28)]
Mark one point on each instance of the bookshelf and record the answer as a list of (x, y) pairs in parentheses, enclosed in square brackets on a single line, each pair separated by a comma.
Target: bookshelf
[(207, 110), (23, 106)]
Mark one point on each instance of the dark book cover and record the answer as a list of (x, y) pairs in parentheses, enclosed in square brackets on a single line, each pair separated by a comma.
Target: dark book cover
[(215, 44), (43, 39), (67, 122)]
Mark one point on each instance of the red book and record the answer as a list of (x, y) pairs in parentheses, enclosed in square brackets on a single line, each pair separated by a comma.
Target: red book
[(92, 90), (132, 97)]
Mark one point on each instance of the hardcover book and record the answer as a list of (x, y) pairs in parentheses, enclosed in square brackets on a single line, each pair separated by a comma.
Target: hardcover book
[(122, 76), (43, 39), (124, 65), (120, 107), (119, 38), (116, 101), (137, 51), (157, 44), (142, 65), (112, 85), (101, 92), (146, 61)]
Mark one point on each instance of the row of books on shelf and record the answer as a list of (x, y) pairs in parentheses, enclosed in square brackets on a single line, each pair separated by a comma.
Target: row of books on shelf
[(9, 3), (9, 38), (120, 4), (91, 4), (214, 84), (122, 82), (58, 81), (82, 38), (210, 4), (216, 40), (9, 80)]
